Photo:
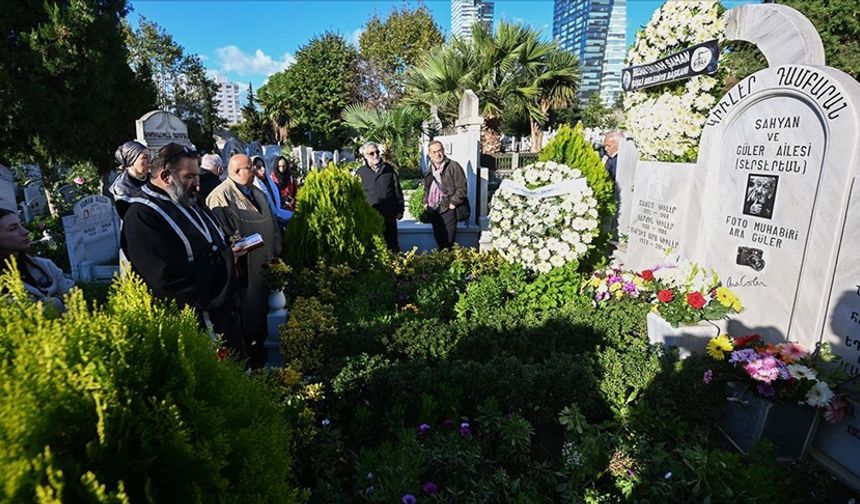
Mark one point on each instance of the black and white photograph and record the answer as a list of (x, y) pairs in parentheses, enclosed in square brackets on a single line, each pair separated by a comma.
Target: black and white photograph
[(760, 195)]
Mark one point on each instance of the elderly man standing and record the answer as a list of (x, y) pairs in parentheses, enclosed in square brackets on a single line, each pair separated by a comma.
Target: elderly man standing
[(176, 246), (445, 195), (611, 142), (243, 210), (382, 191), (210, 176)]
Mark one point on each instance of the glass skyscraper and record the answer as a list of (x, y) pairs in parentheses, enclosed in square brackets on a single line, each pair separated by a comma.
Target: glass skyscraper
[(465, 13), (596, 31)]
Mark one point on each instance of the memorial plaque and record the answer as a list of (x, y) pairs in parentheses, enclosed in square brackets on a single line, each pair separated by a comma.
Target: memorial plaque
[(92, 234), (158, 128), (842, 330), (657, 211), (768, 199)]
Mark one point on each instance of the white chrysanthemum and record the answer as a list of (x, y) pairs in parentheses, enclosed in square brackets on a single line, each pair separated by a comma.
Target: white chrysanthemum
[(543, 233), (802, 372), (819, 395), (667, 126)]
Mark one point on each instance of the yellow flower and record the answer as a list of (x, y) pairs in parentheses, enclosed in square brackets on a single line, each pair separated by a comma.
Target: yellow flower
[(729, 299), (615, 287), (719, 345)]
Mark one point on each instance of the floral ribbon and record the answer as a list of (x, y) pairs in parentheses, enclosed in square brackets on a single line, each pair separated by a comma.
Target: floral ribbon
[(547, 191)]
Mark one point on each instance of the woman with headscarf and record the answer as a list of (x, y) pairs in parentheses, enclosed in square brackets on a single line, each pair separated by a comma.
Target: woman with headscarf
[(282, 176), (133, 159), (43, 280)]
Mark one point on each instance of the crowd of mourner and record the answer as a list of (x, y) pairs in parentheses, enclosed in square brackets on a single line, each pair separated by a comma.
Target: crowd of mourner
[(201, 237)]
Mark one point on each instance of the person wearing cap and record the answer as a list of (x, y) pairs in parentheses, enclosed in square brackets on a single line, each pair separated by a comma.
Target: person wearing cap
[(133, 159), (175, 244), (210, 175)]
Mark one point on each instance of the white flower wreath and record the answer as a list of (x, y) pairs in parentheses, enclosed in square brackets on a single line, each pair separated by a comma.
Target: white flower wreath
[(544, 216), (667, 123)]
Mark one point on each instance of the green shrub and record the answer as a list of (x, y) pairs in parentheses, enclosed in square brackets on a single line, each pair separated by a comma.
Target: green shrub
[(307, 334), (570, 147), (128, 403), (333, 222), (490, 291), (416, 203), (552, 290)]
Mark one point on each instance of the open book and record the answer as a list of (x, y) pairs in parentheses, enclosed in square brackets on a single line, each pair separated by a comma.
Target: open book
[(248, 243)]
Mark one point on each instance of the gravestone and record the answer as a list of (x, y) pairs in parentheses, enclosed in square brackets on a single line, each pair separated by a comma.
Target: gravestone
[(625, 173), (255, 149), (92, 239), (773, 205), (68, 193), (7, 190), (35, 201), (157, 128), (231, 147), (657, 205), (469, 117)]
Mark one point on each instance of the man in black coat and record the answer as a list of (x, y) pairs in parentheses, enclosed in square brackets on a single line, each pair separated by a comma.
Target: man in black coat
[(210, 175), (176, 246), (382, 191)]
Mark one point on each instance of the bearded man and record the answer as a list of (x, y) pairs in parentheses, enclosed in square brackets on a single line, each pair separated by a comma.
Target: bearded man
[(176, 245)]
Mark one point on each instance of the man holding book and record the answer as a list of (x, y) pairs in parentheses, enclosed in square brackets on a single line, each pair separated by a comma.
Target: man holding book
[(243, 210)]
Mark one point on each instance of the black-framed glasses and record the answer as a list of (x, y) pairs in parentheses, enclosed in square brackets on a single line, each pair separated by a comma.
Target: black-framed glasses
[(372, 153)]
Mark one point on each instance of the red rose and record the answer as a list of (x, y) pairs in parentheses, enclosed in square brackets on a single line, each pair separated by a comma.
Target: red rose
[(222, 353), (665, 296), (746, 340), (647, 275), (696, 300)]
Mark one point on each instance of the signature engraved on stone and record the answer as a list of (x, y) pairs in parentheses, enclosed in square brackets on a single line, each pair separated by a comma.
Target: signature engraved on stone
[(744, 281)]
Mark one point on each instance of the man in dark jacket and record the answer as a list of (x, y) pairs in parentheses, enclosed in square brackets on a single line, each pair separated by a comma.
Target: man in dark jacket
[(382, 191), (445, 195), (210, 175), (177, 247)]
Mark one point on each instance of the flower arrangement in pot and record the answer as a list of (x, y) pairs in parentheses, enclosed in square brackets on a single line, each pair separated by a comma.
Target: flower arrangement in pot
[(784, 371), (682, 292), (276, 274)]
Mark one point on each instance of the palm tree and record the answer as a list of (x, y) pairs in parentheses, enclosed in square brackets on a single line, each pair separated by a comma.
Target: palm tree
[(509, 68), (273, 99), (397, 130), (557, 80)]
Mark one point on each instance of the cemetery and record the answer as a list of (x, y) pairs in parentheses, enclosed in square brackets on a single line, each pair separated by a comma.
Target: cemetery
[(683, 328)]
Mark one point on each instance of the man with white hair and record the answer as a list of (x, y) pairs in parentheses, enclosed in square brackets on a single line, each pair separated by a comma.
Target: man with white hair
[(382, 191), (210, 175), (611, 143), (175, 244)]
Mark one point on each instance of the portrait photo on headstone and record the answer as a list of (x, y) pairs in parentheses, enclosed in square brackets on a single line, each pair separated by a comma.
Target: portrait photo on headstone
[(761, 194)]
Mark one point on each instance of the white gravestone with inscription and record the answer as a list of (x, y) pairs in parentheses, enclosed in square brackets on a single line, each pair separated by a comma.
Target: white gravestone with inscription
[(772, 205), (7, 189), (35, 201), (92, 238), (657, 209), (158, 128)]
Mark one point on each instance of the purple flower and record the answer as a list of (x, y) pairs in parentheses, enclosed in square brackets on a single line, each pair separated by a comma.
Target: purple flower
[(601, 296), (764, 369), (707, 377), (765, 389), (613, 279), (744, 355), (423, 429), (464, 430), (629, 287), (429, 487), (629, 473), (784, 373), (408, 499)]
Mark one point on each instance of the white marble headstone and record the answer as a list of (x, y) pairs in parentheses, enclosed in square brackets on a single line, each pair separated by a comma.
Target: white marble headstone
[(656, 221), (625, 174), (7, 189), (157, 128), (92, 233), (35, 201)]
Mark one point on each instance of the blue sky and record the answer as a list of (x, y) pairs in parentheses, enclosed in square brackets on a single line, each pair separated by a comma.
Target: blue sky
[(247, 41)]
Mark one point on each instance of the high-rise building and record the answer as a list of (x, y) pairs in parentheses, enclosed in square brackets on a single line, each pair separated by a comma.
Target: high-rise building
[(465, 13), (596, 31), (228, 101)]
